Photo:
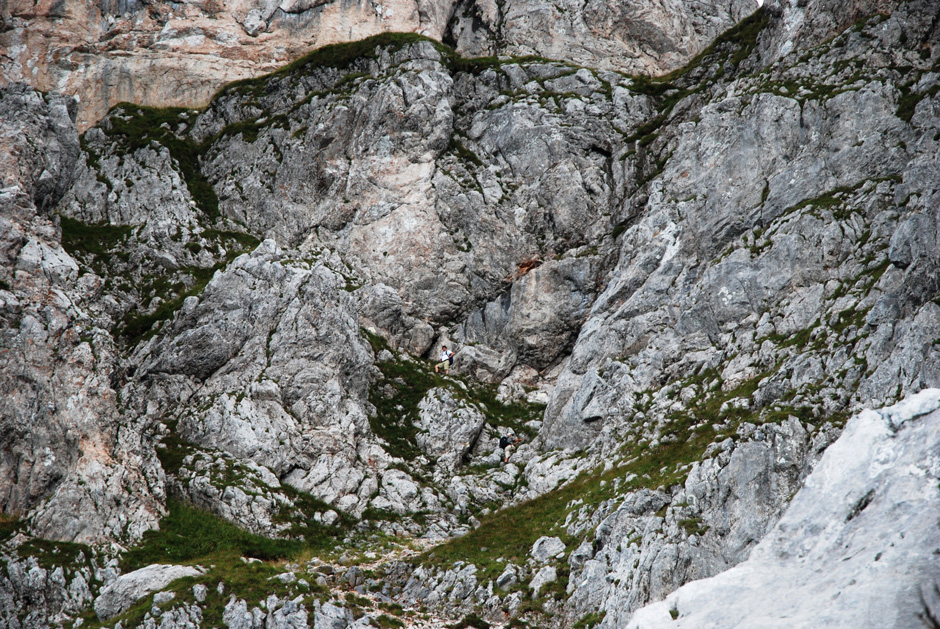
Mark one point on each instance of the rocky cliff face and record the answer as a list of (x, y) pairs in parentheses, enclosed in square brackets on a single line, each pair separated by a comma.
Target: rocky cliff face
[(179, 54), (678, 290)]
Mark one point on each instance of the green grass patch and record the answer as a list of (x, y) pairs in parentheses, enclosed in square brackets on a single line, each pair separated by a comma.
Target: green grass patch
[(734, 45), (478, 65), (9, 526), (405, 382), (510, 533), (249, 129), (237, 242), (251, 582), (172, 449), (589, 621), (138, 326), (91, 238), (304, 527), (693, 526), (188, 535), (463, 153), (908, 101), (49, 553), (471, 621), (338, 56), (513, 415), (388, 622), (395, 396)]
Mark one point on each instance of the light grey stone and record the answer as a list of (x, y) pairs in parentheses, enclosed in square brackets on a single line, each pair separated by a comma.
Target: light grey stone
[(129, 588), (547, 548), (545, 575)]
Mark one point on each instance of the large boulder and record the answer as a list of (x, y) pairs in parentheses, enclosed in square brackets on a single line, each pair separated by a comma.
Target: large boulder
[(448, 427), (128, 588)]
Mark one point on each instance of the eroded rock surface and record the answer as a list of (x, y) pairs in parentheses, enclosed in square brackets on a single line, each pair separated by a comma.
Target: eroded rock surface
[(857, 520), (171, 54), (704, 279), (69, 459)]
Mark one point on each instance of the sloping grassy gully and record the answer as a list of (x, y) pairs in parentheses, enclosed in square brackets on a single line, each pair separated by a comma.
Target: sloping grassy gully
[(510, 533)]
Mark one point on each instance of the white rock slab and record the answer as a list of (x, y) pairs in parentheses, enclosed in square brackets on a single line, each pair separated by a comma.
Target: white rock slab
[(857, 547), (128, 588)]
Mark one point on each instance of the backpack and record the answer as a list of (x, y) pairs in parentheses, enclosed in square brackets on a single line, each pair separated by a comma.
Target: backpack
[(503, 442)]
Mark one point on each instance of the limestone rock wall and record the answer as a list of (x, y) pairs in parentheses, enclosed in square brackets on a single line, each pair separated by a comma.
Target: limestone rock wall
[(712, 272), (179, 54), (70, 459)]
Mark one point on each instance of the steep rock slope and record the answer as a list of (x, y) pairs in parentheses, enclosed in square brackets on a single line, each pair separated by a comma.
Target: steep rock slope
[(166, 53), (67, 454), (702, 275)]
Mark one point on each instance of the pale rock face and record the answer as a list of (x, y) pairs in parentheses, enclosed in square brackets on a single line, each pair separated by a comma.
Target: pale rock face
[(80, 470), (852, 549), (279, 372), (546, 548), (543, 577), (637, 38), (738, 275), (165, 53)]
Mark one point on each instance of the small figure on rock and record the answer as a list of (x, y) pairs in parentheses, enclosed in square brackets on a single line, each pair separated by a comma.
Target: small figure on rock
[(507, 443), (447, 360)]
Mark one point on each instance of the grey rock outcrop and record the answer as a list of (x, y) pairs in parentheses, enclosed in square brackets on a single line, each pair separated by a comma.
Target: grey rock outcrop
[(704, 277), (858, 518), (270, 355), (448, 429), (38, 593), (67, 455), (129, 588), (546, 548), (158, 54)]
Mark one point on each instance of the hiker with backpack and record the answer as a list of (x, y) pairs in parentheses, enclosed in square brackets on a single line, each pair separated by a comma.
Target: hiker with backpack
[(507, 443), (447, 360)]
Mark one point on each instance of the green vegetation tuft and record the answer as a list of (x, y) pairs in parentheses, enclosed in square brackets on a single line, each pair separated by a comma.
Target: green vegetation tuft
[(510, 533), (395, 397), (189, 535), (315, 535), (49, 553), (172, 449), (732, 46), (908, 101), (478, 65), (471, 621), (589, 621), (338, 56), (388, 622), (9, 526), (250, 581), (405, 382), (693, 526), (462, 152), (91, 238), (135, 127), (139, 326)]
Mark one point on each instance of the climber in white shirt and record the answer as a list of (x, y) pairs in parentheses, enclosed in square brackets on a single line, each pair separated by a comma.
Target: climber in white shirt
[(447, 359)]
